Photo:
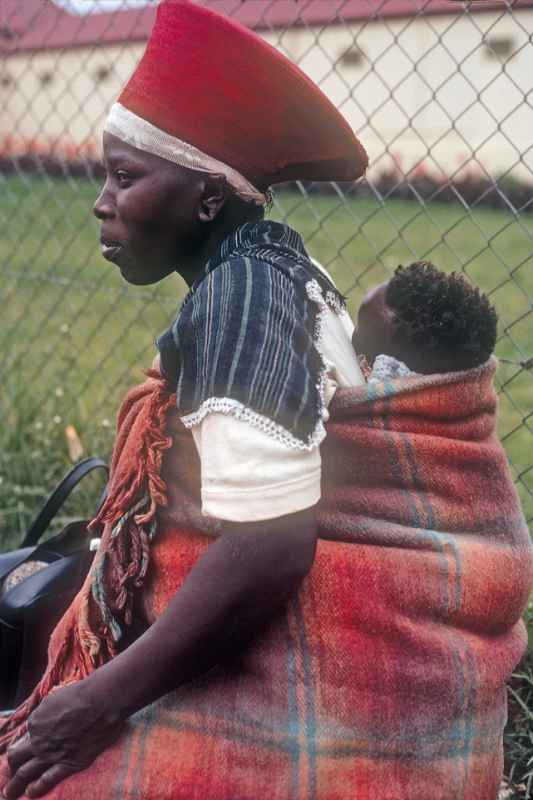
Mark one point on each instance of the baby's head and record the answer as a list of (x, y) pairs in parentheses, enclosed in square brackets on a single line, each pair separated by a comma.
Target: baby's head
[(431, 320)]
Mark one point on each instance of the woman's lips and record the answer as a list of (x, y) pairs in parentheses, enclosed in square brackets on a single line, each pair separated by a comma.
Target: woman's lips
[(110, 250)]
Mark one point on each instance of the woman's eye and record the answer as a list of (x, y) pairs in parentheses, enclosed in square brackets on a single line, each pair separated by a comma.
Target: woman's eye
[(122, 177)]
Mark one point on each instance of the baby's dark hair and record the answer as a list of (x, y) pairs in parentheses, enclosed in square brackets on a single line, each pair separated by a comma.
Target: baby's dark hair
[(446, 320)]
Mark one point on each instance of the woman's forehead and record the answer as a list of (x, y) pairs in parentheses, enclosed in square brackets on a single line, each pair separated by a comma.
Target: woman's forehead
[(116, 149)]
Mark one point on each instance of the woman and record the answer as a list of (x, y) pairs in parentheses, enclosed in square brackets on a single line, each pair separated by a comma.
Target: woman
[(189, 154), (217, 650)]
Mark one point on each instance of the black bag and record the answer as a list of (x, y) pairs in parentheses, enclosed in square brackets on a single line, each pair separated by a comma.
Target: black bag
[(31, 605)]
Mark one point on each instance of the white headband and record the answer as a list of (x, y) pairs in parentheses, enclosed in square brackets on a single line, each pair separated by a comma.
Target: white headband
[(134, 130)]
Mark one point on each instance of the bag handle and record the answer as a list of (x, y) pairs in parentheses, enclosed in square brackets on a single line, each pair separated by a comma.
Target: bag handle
[(58, 497)]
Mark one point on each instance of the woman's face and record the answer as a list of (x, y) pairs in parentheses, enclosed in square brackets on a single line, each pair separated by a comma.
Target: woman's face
[(148, 209)]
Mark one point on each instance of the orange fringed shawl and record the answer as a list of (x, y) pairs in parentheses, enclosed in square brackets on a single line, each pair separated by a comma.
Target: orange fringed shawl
[(87, 635)]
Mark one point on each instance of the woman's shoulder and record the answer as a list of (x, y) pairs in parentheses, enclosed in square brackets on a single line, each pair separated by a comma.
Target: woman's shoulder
[(257, 251), (266, 264), (244, 287)]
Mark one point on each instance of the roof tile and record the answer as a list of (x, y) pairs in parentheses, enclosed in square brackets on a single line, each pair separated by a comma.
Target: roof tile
[(41, 25)]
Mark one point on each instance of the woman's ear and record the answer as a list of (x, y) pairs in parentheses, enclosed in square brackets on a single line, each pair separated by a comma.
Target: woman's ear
[(213, 199)]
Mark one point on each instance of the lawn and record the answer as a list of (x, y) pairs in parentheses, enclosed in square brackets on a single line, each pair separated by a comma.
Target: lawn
[(74, 336)]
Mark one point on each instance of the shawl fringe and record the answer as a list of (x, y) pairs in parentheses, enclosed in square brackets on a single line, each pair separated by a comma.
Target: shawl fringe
[(87, 635)]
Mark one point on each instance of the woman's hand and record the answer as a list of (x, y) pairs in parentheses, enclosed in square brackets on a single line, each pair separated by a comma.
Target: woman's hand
[(66, 733)]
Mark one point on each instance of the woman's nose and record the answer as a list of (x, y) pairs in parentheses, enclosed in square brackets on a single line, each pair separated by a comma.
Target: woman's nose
[(104, 207)]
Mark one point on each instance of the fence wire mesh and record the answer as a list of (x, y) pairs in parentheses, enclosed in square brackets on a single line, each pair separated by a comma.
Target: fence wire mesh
[(441, 94)]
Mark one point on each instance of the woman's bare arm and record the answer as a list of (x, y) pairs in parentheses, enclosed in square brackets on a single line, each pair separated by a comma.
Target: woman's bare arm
[(236, 587)]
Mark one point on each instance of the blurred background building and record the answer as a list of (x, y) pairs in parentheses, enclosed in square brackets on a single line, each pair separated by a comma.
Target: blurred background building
[(425, 85)]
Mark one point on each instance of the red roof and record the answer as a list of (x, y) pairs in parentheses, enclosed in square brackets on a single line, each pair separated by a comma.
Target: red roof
[(41, 25)]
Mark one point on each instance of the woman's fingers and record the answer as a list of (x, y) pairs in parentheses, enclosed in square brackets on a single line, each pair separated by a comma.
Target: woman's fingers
[(30, 771), (49, 779), (67, 733), (19, 753)]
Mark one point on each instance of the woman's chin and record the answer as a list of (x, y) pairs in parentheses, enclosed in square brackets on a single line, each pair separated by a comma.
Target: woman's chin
[(139, 276), (133, 270), (132, 277), (132, 274)]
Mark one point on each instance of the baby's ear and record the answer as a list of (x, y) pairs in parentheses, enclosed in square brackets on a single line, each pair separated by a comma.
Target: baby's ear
[(213, 199)]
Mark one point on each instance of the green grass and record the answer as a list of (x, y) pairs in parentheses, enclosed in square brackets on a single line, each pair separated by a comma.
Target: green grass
[(518, 737), (74, 336)]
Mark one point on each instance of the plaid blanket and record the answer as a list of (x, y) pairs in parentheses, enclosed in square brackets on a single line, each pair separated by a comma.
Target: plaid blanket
[(385, 679)]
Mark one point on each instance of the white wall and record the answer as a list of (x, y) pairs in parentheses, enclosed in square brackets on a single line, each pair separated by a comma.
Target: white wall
[(427, 92), (67, 113), (426, 95)]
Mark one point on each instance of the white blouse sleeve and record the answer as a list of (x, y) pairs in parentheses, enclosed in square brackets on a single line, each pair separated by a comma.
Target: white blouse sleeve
[(247, 475)]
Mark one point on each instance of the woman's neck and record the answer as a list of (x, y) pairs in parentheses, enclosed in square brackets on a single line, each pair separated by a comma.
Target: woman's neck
[(209, 245)]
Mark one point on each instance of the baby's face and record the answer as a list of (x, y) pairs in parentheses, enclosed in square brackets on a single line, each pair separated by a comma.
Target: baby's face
[(374, 333)]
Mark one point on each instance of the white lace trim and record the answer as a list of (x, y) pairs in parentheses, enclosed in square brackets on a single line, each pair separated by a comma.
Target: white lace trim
[(387, 368), (134, 130), (314, 293), (331, 300), (334, 302), (226, 405)]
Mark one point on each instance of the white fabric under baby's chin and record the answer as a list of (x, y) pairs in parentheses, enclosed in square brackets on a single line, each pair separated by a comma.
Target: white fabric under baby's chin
[(247, 475), (388, 368)]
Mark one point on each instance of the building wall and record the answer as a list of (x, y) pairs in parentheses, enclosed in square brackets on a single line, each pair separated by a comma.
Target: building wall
[(409, 101), (57, 100), (426, 94)]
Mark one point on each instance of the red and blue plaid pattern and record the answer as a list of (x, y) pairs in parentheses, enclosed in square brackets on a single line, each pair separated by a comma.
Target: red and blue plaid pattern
[(385, 679)]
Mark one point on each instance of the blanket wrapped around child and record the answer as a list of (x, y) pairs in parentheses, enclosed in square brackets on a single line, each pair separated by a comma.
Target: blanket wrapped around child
[(385, 678)]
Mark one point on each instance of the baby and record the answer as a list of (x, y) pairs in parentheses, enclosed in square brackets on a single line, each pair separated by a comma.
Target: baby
[(424, 321)]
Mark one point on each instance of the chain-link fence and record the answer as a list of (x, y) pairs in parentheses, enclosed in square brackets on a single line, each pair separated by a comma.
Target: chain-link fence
[(441, 94)]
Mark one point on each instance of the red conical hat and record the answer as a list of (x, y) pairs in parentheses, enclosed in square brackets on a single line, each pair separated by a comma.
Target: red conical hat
[(212, 95)]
